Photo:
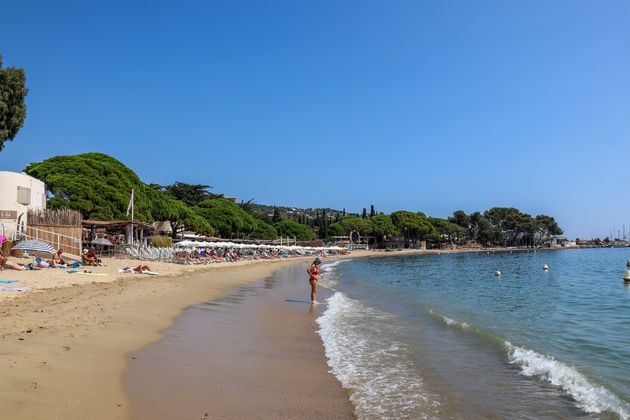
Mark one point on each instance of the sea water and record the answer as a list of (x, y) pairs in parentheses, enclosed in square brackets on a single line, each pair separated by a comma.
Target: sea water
[(441, 336)]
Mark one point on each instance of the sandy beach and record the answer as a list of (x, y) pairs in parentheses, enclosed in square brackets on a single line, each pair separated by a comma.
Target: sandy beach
[(65, 343)]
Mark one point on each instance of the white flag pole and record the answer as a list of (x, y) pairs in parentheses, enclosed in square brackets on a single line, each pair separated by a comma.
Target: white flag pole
[(131, 207)]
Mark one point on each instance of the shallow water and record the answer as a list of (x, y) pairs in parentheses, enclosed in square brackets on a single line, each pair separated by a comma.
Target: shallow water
[(440, 336)]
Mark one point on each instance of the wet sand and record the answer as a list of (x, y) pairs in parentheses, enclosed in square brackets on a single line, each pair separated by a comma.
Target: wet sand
[(63, 351), (251, 354)]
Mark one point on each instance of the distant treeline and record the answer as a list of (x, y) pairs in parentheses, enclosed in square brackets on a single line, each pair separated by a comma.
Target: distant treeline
[(99, 186)]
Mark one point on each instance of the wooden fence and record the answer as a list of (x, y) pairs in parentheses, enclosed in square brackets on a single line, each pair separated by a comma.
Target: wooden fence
[(61, 217), (67, 238)]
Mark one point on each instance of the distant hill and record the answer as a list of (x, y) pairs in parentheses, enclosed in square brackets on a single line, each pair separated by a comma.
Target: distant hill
[(294, 212)]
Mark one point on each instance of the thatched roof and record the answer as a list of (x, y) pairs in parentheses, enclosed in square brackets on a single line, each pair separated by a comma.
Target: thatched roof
[(116, 224)]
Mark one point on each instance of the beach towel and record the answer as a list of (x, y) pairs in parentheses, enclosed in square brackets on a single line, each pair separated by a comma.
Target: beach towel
[(93, 274), (8, 281), (73, 271), (14, 289)]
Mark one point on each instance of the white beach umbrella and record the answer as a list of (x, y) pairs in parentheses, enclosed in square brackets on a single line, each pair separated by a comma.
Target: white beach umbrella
[(34, 246), (102, 241)]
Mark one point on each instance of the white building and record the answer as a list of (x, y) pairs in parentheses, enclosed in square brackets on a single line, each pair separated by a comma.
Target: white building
[(18, 194)]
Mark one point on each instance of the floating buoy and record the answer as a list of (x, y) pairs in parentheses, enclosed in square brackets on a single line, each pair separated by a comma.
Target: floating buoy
[(497, 273), (626, 275), (545, 267)]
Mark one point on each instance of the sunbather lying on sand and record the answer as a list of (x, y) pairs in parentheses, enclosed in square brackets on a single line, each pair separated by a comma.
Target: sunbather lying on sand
[(5, 263), (141, 269)]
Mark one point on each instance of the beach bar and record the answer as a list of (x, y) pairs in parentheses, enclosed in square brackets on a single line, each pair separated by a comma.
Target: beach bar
[(117, 231)]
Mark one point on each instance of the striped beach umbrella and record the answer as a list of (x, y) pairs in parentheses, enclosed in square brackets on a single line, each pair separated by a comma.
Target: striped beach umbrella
[(34, 246)]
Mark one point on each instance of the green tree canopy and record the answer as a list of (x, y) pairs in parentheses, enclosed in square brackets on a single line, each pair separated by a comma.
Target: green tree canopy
[(264, 231), (547, 226), (179, 215), (294, 230), (226, 217), (446, 229), (99, 186), (336, 229), (413, 226), (355, 223), (460, 218), (13, 93), (278, 216), (191, 194), (382, 226)]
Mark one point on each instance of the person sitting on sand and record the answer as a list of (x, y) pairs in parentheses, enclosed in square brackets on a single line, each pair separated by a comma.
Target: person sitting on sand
[(89, 257), (3, 261), (58, 259), (313, 273)]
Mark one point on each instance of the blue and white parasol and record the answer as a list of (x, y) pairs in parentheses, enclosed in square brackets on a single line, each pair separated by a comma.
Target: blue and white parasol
[(34, 246)]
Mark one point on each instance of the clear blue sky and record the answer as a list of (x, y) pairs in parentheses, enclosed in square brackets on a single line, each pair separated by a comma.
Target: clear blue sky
[(422, 105)]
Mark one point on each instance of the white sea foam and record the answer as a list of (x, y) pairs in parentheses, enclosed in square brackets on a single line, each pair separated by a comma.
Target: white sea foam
[(450, 321), (368, 361), (588, 396), (331, 266), (328, 278)]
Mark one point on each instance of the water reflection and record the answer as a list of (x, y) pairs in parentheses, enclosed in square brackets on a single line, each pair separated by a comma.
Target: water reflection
[(269, 282)]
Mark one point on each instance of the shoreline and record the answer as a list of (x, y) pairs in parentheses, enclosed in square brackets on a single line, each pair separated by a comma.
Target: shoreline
[(253, 353), (64, 349)]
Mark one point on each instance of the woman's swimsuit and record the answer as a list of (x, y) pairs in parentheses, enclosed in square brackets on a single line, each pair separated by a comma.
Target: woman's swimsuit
[(313, 273)]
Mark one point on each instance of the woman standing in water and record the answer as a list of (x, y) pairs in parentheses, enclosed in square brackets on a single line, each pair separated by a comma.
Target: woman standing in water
[(313, 272)]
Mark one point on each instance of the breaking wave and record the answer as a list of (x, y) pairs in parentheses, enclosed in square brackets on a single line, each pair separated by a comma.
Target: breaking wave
[(588, 396), (369, 362)]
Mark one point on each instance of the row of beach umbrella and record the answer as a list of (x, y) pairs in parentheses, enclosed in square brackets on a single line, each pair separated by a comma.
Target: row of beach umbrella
[(204, 244)]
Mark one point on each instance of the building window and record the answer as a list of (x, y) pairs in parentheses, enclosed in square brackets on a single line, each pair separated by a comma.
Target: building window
[(24, 195)]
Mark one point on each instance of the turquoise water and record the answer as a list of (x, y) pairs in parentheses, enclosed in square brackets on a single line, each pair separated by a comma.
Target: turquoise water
[(442, 336)]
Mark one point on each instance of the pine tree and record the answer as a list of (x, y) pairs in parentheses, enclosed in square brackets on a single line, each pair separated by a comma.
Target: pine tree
[(364, 214), (276, 216), (12, 102), (372, 212), (323, 231)]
